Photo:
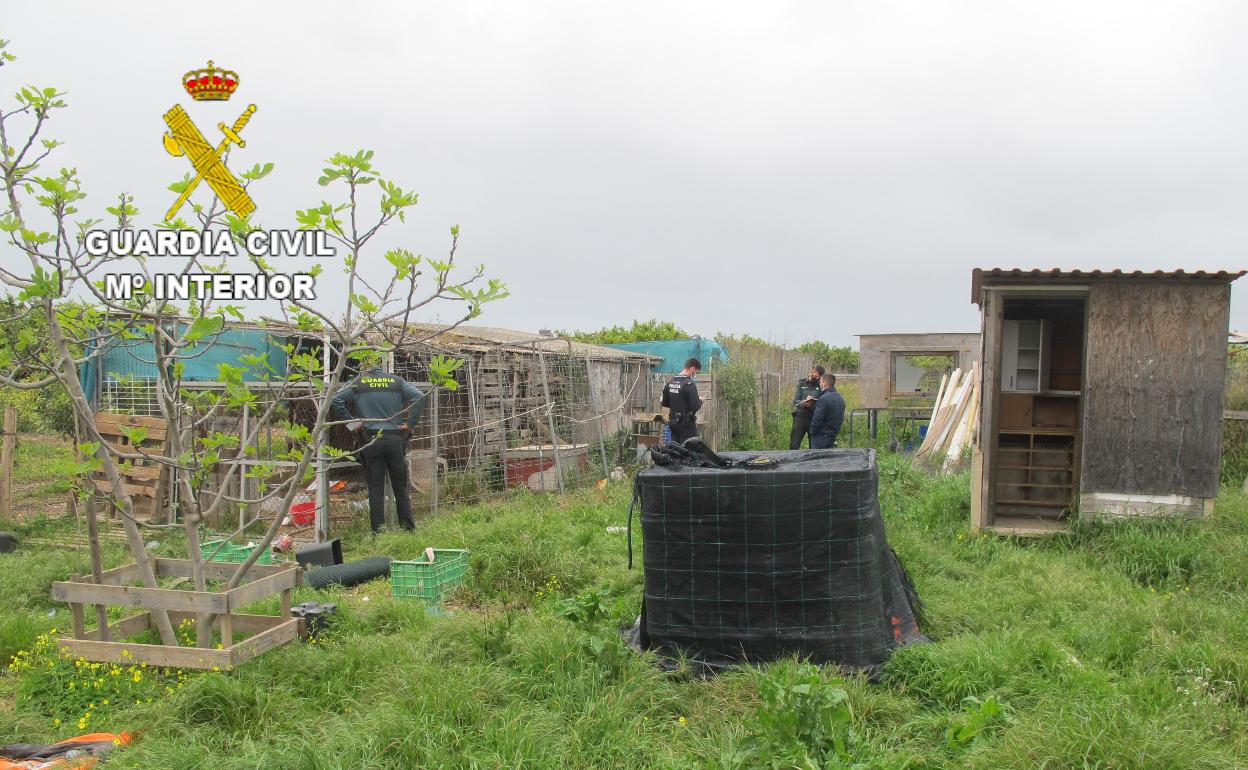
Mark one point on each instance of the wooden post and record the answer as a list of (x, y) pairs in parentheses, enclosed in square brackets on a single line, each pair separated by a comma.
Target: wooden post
[(550, 419), (75, 611), (286, 603), (97, 563), (6, 462), (227, 630), (322, 495)]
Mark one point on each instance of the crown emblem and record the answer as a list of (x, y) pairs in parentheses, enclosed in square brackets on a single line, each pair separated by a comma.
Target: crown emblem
[(210, 83)]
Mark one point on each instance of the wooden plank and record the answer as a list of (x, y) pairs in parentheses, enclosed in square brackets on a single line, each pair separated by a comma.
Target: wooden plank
[(966, 424), (8, 447), (955, 409), (135, 624), (121, 422), (243, 623), (989, 388), (144, 472), (264, 641), (1234, 415), (1027, 526), (977, 501), (134, 490), (263, 588), (1016, 410), (151, 449), (77, 616), (1155, 388), (214, 570), (941, 414), (225, 623), (136, 596), (151, 654)]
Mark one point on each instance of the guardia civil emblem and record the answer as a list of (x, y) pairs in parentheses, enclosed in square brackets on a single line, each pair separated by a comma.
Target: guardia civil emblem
[(210, 84)]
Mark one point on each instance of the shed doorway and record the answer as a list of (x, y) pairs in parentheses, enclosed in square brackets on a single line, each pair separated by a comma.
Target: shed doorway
[(1037, 391)]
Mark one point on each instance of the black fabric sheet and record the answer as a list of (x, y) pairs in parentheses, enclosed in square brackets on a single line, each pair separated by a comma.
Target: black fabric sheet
[(754, 565)]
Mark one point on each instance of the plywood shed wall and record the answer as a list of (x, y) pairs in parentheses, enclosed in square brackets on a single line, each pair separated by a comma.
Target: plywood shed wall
[(1156, 380), (875, 359)]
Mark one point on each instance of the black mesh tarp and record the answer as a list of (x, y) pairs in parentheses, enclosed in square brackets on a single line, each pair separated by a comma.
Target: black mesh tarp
[(757, 564)]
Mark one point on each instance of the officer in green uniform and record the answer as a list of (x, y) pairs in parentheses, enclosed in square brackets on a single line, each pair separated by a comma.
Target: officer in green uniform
[(804, 407), (384, 406)]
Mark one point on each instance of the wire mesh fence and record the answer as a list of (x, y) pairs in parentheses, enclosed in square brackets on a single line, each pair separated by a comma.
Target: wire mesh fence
[(527, 413)]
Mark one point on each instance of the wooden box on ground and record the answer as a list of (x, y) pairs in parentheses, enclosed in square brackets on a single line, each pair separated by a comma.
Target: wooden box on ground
[(263, 632)]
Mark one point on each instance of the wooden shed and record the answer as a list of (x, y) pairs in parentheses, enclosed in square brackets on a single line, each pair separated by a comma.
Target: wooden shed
[(1102, 394)]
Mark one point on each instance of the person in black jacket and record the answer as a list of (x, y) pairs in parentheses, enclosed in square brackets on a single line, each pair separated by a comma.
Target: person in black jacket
[(804, 407), (680, 396), (825, 423)]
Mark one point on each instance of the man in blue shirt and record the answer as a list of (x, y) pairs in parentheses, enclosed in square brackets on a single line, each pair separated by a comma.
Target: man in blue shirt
[(384, 407), (825, 423)]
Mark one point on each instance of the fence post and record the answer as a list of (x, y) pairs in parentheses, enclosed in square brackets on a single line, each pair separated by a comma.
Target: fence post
[(760, 403), (6, 462), (433, 449), (589, 383), (550, 419)]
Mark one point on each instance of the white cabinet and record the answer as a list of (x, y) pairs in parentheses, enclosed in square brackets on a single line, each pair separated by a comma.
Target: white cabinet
[(1024, 356)]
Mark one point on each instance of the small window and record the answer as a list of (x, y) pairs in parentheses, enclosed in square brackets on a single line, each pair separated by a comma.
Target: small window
[(919, 374)]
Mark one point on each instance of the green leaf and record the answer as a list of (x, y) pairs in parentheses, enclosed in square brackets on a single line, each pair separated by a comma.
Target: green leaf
[(204, 326)]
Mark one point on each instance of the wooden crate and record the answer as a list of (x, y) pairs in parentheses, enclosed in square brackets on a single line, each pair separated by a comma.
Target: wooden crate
[(266, 631)]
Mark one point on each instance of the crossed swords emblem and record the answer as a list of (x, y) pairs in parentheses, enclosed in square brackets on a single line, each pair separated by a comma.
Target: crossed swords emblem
[(184, 138)]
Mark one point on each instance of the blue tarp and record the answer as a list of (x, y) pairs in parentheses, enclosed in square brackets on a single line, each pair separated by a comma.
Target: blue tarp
[(675, 352), (135, 358)]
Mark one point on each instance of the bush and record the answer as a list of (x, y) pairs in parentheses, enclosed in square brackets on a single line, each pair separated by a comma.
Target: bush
[(44, 410), (640, 331)]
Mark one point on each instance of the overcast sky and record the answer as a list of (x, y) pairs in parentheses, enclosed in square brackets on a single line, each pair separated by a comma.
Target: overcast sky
[(791, 170)]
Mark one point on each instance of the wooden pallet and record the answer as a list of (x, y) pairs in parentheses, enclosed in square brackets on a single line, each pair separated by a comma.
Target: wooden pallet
[(108, 646), (144, 479)]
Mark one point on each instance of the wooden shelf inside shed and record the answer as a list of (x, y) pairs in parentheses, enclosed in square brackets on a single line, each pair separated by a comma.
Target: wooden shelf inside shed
[(1036, 455)]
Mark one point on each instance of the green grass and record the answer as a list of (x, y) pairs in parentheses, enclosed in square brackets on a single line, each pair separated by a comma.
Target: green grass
[(1110, 647), (43, 470)]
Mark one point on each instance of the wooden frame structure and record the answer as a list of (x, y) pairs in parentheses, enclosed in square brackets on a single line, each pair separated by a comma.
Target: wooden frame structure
[(1125, 419), (264, 631)]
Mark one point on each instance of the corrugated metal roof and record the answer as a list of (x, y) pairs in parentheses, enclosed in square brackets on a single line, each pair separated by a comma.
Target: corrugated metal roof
[(1239, 338), (985, 276), (493, 337)]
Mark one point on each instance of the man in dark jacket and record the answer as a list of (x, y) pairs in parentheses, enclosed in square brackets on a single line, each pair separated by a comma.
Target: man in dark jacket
[(680, 396), (384, 406), (825, 423), (804, 407)]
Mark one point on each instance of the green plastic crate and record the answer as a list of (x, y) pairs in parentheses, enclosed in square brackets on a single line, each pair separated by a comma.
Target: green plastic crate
[(231, 553), (431, 581)]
